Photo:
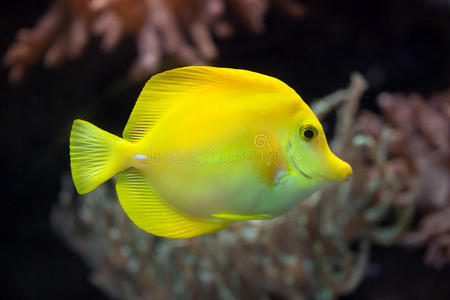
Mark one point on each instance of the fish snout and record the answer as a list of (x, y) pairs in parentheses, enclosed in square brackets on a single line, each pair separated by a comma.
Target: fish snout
[(339, 170), (346, 171)]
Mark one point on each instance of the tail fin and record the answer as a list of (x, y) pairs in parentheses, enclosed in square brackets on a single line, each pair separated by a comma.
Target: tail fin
[(95, 155)]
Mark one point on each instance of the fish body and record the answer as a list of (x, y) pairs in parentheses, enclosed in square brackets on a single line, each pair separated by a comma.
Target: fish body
[(205, 147)]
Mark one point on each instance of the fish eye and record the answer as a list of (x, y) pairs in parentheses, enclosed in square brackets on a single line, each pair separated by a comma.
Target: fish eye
[(308, 132)]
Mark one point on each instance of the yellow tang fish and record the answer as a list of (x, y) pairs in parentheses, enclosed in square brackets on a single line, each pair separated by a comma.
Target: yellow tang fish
[(205, 147)]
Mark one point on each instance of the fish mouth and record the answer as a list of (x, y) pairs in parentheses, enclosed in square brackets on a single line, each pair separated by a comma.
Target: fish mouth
[(298, 169)]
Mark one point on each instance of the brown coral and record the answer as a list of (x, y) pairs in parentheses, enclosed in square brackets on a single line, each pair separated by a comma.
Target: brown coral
[(419, 154), (182, 29)]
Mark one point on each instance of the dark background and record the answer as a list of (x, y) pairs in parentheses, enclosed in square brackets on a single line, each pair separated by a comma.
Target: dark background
[(397, 45)]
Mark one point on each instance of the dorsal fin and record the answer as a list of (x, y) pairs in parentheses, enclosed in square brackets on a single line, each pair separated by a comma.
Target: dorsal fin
[(168, 89)]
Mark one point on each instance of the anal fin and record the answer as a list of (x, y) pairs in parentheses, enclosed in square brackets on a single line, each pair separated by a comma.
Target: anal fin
[(153, 215)]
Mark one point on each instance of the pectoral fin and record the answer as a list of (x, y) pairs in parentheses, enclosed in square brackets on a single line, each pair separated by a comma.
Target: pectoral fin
[(235, 217), (273, 164)]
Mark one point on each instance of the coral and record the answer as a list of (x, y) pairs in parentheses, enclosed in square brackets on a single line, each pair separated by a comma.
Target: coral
[(182, 29), (319, 250), (419, 153)]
